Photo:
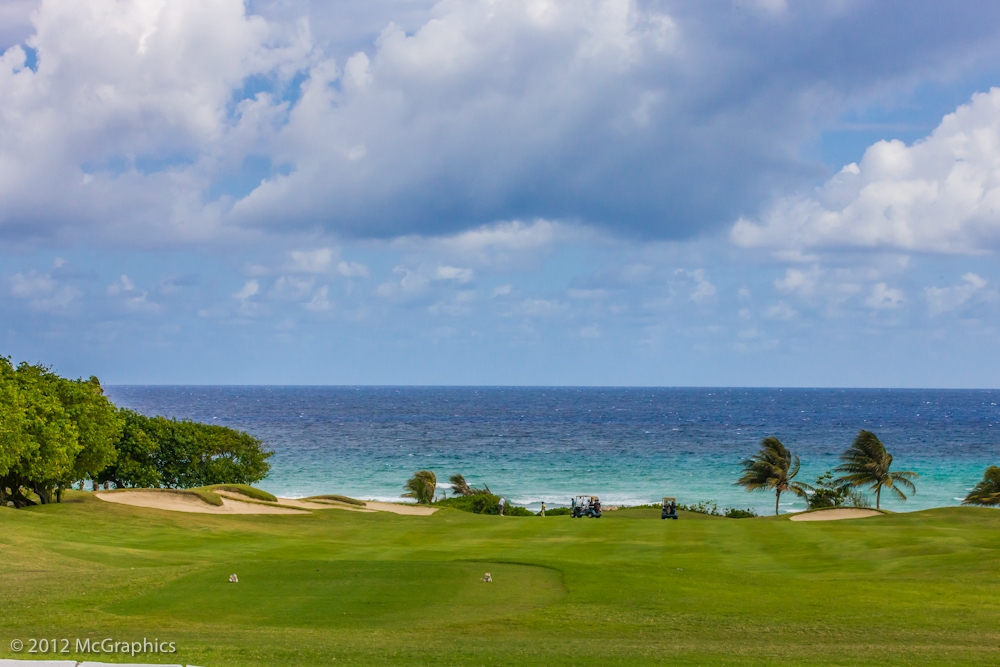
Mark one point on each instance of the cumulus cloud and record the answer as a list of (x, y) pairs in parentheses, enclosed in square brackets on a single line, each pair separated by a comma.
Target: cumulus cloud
[(939, 195), (944, 299), (43, 293), (883, 297), (145, 122)]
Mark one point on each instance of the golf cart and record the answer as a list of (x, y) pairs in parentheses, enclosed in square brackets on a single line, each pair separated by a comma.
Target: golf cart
[(586, 506), (669, 508)]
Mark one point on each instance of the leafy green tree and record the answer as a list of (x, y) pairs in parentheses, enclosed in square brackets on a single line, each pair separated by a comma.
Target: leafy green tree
[(98, 426), (12, 440), (190, 454), (137, 464), (986, 492), (772, 468), (867, 463), (422, 486), (50, 438)]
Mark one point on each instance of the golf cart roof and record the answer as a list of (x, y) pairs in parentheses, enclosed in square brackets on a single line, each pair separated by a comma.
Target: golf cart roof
[(591, 497), (669, 499)]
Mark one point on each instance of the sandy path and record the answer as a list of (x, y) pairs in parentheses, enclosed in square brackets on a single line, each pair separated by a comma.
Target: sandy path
[(182, 502), (836, 514)]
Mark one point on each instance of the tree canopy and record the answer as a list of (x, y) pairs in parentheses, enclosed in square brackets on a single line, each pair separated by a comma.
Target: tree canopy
[(772, 468), (55, 432), (867, 463), (986, 492)]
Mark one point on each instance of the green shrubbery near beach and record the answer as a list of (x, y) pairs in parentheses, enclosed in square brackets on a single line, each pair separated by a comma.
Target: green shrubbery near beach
[(56, 432), (482, 503)]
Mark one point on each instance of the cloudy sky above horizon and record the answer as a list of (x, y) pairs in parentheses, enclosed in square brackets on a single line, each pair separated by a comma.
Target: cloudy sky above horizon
[(582, 192)]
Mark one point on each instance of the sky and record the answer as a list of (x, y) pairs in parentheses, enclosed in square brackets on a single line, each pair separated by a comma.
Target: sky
[(502, 192)]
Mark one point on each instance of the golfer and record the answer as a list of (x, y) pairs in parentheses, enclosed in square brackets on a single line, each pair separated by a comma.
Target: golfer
[(503, 501)]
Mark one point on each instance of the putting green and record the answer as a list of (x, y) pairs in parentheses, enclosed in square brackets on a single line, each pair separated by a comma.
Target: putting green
[(336, 594)]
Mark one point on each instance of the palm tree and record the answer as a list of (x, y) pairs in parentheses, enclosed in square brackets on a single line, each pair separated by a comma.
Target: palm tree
[(987, 492), (866, 463), (421, 487), (461, 488), (772, 469)]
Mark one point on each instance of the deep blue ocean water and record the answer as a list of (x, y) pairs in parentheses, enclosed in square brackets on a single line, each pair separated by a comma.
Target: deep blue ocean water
[(627, 445)]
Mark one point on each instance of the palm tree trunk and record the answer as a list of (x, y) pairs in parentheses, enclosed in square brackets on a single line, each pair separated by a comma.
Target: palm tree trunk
[(878, 497), (777, 497)]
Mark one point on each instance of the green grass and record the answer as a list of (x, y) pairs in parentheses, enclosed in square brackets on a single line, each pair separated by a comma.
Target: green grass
[(339, 499), (242, 489), (349, 588)]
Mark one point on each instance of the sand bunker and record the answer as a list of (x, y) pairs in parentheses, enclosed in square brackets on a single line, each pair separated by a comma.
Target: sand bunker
[(233, 504), (186, 502), (399, 508), (836, 514)]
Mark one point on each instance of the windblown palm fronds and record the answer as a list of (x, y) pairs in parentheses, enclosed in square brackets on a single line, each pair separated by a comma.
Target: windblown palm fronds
[(422, 487), (987, 492), (867, 463), (772, 469), (460, 487)]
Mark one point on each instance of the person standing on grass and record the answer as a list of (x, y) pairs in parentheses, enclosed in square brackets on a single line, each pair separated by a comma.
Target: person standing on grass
[(543, 509), (503, 501)]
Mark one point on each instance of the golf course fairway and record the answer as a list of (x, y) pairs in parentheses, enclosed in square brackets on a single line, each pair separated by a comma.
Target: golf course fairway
[(337, 587)]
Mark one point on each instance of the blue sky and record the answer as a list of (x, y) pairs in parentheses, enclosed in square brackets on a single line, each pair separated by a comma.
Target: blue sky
[(586, 192)]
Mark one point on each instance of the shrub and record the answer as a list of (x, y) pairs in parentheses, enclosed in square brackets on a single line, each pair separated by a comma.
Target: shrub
[(734, 513), (710, 508), (484, 503)]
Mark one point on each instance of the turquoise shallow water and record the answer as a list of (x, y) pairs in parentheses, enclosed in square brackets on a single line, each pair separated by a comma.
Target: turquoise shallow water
[(627, 445)]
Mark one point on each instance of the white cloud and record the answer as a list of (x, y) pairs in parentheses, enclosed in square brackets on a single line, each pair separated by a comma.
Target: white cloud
[(250, 288), (944, 299), (801, 283), (352, 270), (502, 290), (453, 273), (290, 288), (780, 311), (312, 261), (141, 122), (319, 302), (941, 195), (43, 293), (883, 297), (123, 284), (31, 284), (702, 289)]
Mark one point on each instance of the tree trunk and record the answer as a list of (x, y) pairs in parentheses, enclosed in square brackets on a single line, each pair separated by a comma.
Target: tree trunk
[(878, 497), (777, 497)]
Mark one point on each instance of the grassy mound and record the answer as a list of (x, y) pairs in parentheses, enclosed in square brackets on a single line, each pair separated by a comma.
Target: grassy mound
[(339, 499), (242, 489)]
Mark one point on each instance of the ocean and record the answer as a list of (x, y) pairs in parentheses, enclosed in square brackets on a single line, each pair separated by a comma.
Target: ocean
[(627, 445)]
